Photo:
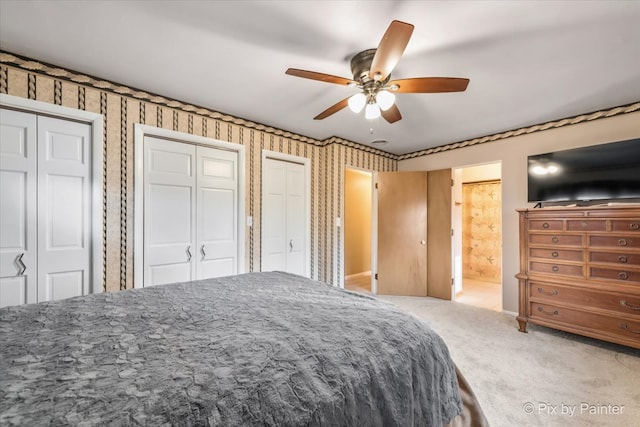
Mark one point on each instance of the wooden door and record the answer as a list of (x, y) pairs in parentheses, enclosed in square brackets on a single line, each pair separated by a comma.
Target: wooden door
[(402, 233), (18, 235), (439, 206)]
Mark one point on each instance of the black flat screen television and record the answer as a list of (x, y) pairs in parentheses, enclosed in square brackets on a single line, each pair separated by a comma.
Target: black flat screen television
[(600, 172)]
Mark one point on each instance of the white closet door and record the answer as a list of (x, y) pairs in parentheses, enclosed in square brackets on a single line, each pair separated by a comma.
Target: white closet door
[(217, 206), (295, 219), (284, 217), (274, 215), (169, 211), (64, 209), (18, 237)]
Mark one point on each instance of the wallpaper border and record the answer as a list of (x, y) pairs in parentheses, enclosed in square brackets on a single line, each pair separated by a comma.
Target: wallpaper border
[(108, 86), (80, 78)]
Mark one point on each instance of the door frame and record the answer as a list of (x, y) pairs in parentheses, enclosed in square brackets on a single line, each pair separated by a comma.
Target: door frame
[(140, 131), (374, 227), (98, 207), (458, 225), (283, 157)]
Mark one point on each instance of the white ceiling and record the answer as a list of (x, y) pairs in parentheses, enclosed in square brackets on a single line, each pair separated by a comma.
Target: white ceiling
[(528, 61)]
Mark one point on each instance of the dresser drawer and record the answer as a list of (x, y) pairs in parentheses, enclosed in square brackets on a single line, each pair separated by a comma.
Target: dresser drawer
[(626, 224), (619, 274), (615, 241), (561, 269), (544, 224), (586, 225), (615, 258), (556, 239), (594, 322), (559, 254), (554, 294)]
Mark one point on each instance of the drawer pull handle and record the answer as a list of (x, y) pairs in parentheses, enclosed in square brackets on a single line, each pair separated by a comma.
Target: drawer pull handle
[(626, 328), (554, 254), (624, 303), (555, 268), (545, 225), (552, 313), (634, 226), (623, 276), (555, 292), (622, 242), (622, 258), (555, 239)]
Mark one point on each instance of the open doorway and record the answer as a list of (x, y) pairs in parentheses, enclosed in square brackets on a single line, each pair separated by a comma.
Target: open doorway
[(357, 229), (478, 235)]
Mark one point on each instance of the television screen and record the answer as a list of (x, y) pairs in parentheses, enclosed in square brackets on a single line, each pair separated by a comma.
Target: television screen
[(599, 172)]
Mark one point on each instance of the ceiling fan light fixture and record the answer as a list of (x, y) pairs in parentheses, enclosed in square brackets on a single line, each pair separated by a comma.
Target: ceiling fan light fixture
[(385, 99), (357, 102), (372, 111)]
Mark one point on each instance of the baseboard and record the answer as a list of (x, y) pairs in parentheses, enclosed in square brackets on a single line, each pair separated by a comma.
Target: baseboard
[(511, 313)]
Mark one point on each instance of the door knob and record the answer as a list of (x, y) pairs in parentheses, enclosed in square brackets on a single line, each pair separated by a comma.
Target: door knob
[(423, 242), (189, 253), (291, 245)]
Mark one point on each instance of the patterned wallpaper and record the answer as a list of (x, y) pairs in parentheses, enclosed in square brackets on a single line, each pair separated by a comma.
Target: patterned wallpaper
[(122, 107), (482, 231)]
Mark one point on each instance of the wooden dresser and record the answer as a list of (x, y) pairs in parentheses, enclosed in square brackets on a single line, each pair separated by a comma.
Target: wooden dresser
[(580, 271)]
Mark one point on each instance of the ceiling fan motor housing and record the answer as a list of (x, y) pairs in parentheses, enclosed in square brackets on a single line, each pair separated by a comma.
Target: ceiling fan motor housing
[(360, 67)]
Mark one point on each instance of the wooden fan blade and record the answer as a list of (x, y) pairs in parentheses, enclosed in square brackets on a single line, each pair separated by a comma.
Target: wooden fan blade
[(319, 76), (390, 49), (392, 115), (333, 109), (430, 85)]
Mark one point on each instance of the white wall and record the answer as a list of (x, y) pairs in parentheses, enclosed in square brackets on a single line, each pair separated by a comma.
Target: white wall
[(513, 152)]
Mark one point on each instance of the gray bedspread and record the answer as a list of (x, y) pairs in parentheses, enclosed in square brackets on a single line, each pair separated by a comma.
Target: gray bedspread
[(254, 349)]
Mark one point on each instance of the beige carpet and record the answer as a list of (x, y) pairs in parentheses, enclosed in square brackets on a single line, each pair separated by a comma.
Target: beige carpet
[(542, 378)]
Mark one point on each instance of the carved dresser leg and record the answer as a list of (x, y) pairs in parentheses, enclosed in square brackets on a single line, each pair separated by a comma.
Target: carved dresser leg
[(522, 326)]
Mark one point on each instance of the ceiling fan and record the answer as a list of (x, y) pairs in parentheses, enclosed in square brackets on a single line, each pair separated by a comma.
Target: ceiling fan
[(371, 71)]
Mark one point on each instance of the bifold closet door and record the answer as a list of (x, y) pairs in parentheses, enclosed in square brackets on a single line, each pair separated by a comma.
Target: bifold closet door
[(283, 228), (169, 211), (45, 208), (217, 212), (190, 212), (18, 219), (64, 209)]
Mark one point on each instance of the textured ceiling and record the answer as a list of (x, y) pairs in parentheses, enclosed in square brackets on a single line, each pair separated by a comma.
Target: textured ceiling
[(528, 61)]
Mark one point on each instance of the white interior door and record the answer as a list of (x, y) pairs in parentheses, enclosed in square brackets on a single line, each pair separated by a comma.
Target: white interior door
[(295, 219), (18, 223), (169, 211), (284, 216), (64, 208), (217, 201), (274, 210)]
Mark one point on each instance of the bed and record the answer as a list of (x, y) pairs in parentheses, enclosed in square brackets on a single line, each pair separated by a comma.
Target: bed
[(254, 349)]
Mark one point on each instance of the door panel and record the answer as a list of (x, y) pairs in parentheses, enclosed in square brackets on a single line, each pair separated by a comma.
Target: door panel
[(169, 212), (402, 233), (274, 211), (440, 273), (295, 219), (18, 228), (217, 201), (64, 208), (284, 242)]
